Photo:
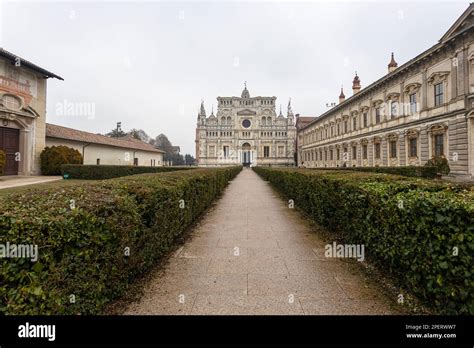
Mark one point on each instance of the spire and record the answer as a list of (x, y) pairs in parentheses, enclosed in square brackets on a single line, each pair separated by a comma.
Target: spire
[(202, 111), (342, 97), (212, 112), (281, 113), (290, 111), (392, 65), (356, 84), (245, 92)]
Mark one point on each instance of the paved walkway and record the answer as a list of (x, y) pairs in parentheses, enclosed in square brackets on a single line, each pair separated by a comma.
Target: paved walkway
[(251, 254), (18, 180)]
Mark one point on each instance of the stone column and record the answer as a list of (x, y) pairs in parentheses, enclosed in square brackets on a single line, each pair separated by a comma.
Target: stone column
[(384, 151), (370, 152), (402, 149)]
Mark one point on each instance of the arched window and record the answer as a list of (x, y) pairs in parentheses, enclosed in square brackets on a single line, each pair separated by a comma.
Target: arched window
[(223, 120), (229, 120), (264, 121), (269, 121)]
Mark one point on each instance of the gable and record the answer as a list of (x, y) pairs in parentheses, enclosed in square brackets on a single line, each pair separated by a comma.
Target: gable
[(462, 24)]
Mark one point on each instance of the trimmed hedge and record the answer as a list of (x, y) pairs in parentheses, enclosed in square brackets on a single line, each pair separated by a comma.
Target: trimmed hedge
[(97, 172), (429, 172), (3, 159), (412, 228), (82, 251), (53, 157)]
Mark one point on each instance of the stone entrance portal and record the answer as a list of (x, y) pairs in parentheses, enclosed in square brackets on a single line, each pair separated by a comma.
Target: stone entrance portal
[(246, 155)]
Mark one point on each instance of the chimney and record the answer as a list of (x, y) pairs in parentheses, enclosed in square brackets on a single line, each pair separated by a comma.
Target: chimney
[(392, 65), (342, 97), (356, 84)]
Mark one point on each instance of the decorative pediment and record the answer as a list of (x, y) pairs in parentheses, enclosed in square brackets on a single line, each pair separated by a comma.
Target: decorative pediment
[(438, 128), (437, 77), (412, 88), (393, 96), (392, 136), (377, 102), (412, 132), (246, 112)]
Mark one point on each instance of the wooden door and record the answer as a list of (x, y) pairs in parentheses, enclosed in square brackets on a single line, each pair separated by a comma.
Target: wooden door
[(10, 144)]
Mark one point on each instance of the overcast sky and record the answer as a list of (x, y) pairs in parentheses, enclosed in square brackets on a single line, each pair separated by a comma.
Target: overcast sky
[(149, 64)]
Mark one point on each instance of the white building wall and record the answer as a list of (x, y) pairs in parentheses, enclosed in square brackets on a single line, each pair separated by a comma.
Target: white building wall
[(109, 154)]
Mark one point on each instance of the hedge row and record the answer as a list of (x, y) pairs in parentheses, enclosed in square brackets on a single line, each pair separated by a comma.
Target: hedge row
[(411, 171), (3, 159), (420, 231), (95, 238), (97, 172)]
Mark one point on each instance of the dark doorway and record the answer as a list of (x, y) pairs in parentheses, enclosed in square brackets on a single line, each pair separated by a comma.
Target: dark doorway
[(10, 144), (246, 154)]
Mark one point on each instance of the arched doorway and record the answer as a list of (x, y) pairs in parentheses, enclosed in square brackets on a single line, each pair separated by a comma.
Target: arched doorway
[(246, 158)]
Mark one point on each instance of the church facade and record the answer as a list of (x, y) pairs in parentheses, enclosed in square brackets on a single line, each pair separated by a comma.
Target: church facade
[(245, 130)]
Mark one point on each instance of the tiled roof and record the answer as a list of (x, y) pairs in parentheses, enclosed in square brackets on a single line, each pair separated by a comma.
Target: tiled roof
[(304, 120), (28, 64), (60, 132)]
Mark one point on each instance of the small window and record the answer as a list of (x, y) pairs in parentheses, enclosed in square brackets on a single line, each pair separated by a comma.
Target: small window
[(281, 151), (439, 145), (393, 109), (354, 123), (338, 154), (377, 115), (393, 149), (97, 161), (413, 147), (11, 102), (354, 152), (413, 106), (266, 151), (331, 155), (377, 150), (439, 94), (365, 119), (135, 161), (364, 151)]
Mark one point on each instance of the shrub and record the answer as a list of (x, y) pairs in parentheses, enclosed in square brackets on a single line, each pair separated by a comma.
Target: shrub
[(53, 157), (96, 172), (420, 231), (427, 171), (83, 250), (440, 163), (3, 160)]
